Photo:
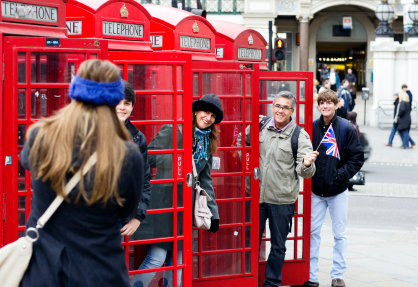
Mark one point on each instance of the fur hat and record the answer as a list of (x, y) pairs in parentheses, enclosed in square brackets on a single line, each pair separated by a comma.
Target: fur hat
[(211, 103)]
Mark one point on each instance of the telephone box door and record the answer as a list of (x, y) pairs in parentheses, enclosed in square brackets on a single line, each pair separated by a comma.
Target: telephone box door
[(230, 256), (38, 78), (296, 266)]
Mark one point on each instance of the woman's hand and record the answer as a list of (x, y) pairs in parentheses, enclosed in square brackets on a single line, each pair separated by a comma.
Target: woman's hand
[(214, 225), (130, 227)]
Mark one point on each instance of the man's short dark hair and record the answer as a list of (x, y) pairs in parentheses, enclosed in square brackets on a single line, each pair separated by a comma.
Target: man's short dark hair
[(327, 95), (129, 92), (404, 86), (345, 80)]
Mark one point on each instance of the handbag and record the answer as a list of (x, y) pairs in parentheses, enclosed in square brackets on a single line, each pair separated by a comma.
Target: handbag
[(15, 257), (202, 214)]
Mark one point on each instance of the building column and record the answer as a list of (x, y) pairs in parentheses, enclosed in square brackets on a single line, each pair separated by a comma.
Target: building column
[(411, 48), (304, 43)]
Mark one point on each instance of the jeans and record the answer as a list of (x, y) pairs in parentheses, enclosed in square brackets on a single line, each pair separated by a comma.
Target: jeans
[(338, 205), (156, 257), (280, 218), (392, 135), (405, 138)]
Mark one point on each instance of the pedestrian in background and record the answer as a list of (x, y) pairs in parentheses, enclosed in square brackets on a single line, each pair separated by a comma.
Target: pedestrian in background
[(316, 113), (404, 119), (405, 89), (81, 245), (329, 185), (395, 120), (345, 94), (341, 110), (323, 73), (351, 78), (333, 77), (279, 182), (326, 85), (206, 113), (123, 111)]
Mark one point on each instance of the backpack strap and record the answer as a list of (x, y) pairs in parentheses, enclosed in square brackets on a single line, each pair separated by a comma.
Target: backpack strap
[(294, 141), (264, 122)]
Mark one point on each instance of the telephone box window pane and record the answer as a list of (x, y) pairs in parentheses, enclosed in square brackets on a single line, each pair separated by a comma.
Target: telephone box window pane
[(153, 107), (44, 102), (292, 230), (195, 84), (54, 67), (227, 187), (195, 267), (247, 211), (230, 212), (179, 109), (164, 132), (161, 166), (248, 186), (247, 261), (248, 110), (221, 264), (228, 161), (92, 56), (21, 103), (179, 136), (301, 113), (232, 110), (228, 135), (248, 85), (222, 84), (161, 196), (179, 252), (151, 77), (158, 225), (225, 238), (21, 132), (179, 194), (300, 249), (247, 236), (21, 67), (179, 78), (21, 177), (121, 71), (300, 226), (300, 204), (302, 91), (179, 223), (247, 141), (290, 249), (21, 201), (195, 240), (137, 257)]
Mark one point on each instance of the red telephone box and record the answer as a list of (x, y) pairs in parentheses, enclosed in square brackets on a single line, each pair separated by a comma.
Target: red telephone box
[(162, 83), (38, 71)]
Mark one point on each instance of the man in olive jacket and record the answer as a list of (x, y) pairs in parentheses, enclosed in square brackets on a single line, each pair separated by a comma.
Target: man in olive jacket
[(279, 186)]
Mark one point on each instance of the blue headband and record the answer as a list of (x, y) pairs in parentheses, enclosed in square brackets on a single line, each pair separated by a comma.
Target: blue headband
[(98, 93)]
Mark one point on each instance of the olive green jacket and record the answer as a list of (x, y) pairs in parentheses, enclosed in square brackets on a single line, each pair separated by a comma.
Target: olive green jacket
[(277, 169)]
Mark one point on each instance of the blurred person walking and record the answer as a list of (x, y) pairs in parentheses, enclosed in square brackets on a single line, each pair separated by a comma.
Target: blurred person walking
[(345, 94), (326, 85), (323, 73), (351, 78), (341, 110), (395, 120), (404, 119), (333, 77), (80, 245)]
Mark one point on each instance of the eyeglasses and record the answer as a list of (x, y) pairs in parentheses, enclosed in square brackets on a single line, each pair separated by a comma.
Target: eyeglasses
[(284, 108)]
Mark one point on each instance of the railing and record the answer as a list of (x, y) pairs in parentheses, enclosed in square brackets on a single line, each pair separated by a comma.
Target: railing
[(385, 114), (211, 6)]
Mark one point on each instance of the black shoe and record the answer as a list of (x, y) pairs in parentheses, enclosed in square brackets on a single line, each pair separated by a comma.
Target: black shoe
[(308, 284), (352, 189)]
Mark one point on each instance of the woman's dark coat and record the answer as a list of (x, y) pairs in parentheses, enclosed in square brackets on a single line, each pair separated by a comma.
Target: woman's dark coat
[(81, 245), (161, 224), (404, 115)]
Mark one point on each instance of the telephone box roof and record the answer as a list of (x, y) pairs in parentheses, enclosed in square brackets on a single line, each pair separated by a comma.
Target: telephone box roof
[(232, 31)]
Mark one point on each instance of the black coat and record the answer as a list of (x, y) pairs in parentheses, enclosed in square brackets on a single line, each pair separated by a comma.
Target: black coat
[(342, 112), (332, 175), (404, 114), (139, 139), (81, 244)]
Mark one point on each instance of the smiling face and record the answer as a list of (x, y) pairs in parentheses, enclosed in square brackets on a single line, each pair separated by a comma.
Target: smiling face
[(204, 119), (327, 108), (282, 110), (124, 110)]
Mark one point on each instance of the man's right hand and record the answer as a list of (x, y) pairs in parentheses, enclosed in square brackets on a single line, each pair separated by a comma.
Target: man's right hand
[(310, 158)]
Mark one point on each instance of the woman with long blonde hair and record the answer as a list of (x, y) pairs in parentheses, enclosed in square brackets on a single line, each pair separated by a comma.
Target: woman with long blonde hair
[(80, 245)]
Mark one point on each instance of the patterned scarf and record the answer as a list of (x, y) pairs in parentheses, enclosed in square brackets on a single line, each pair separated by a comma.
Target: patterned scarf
[(200, 145)]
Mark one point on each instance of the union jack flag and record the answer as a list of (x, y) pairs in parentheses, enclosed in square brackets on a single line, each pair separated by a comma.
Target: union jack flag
[(331, 143)]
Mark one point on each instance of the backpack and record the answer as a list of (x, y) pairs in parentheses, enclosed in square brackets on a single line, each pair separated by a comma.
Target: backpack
[(343, 131), (294, 141)]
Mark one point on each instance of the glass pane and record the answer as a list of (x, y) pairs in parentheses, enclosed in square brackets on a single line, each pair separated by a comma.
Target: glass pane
[(179, 194), (301, 113), (152, 107), (229, 162), (21, 212), (195, 84), (300, 249), (156, 226), (248, 85), (222, 84), (247, 211), (225, 238), (21, 67), (179, 132), (248, 110), (230, 212), (300, 204), (221, 264), (21, 177), (161, 196), (290, 250), (228, 135), (247, 236), (179, 110), (120, 66), (179, 78), (292, 231), (160, 278), (151, 77), (247, 131), (54, 67), (248, 186), (179, 223), (195, 240), (180, 252), (195, 267), (21, 132), (21, 103), (227, 187), (159, 136), (232, 109), (247, 261), (161, 166), (300, 226), (302, 91), (44, 102), (92, 56), (268, 91)]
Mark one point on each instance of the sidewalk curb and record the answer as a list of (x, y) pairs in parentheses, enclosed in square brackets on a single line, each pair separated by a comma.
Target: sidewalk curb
[(355, 193)]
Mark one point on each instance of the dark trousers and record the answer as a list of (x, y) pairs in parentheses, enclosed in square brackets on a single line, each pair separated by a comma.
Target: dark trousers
[(280, 218), (334, 87)]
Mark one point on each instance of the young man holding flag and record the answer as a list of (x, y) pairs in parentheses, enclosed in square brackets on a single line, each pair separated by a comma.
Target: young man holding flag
[(340, 158)]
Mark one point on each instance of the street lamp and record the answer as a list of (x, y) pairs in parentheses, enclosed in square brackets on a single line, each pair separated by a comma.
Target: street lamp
[(413, 14), (384, 13)]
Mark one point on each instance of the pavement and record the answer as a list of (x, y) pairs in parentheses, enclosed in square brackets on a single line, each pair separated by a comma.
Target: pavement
[(381, 256)]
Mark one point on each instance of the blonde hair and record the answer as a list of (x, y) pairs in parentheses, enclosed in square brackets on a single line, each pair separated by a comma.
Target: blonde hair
[(77, 131), (213, 135), (403, 97)]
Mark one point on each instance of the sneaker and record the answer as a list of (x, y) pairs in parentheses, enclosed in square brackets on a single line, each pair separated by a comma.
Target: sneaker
[(337, 283), (388, 145), (308, 284), (412, 145)]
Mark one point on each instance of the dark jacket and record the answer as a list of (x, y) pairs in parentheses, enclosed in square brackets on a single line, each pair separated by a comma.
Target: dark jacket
[(342, 112), (404, 115), (332, 175), (161, 224), (139, 139), (410, 98), (81, 245)]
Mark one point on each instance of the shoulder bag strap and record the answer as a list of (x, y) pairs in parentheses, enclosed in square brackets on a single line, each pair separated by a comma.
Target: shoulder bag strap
[(68, 187), (194, 170)]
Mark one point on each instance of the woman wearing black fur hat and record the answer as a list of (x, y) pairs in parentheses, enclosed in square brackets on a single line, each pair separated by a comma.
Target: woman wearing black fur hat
[(206, 113)]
